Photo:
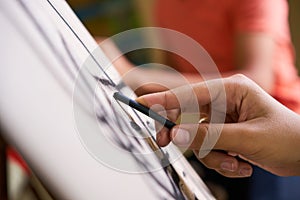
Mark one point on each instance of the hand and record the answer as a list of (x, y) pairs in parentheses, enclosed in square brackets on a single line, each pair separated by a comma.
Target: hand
[(257, 129)]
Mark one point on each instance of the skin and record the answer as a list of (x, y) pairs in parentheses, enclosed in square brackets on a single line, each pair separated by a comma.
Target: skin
[(257, 129)]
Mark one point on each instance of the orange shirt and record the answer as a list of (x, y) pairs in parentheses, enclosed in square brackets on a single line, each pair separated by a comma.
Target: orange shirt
[(215, 23)]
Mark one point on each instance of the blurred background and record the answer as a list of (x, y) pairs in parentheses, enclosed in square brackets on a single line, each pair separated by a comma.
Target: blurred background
[(106, 18), (109, 17)]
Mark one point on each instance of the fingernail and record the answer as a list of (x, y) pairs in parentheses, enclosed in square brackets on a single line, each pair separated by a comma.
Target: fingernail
[(228, 166), (141, 100), (245, 172), (181, 136)]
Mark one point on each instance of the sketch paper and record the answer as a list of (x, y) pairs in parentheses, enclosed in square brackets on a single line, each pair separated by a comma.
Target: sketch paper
[(56, 108)]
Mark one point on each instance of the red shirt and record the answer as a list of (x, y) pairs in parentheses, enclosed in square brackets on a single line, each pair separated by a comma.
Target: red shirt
[(215, 23)]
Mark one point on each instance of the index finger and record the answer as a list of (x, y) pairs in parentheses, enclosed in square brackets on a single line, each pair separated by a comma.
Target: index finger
[(166, 99), (185, 96)]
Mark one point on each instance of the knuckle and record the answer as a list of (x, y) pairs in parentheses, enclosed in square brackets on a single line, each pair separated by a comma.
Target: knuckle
[(240, 80), (239, 77)]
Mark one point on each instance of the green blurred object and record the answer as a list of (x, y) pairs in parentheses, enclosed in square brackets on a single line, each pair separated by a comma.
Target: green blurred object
[(295, 28), (106, 17)]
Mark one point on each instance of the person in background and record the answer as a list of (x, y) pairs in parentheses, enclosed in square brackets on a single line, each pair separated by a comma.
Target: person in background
[(249, 36)]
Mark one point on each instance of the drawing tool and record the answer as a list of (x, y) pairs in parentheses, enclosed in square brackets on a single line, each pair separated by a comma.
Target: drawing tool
[(145, 110)]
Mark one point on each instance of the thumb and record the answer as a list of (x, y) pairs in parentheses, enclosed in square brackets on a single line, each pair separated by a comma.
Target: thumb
[(206, 137)]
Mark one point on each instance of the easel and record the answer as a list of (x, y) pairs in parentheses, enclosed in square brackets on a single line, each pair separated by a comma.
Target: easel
[(3, 170)]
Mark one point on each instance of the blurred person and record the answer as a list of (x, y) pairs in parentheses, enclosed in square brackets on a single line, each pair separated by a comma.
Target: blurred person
[(250, 37)]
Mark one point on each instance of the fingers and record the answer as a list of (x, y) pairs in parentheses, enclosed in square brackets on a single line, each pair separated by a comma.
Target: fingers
[(166, 99), (163, 137), (232, 89), (206, 137), (182, 96), (163, 133), (226, 165)]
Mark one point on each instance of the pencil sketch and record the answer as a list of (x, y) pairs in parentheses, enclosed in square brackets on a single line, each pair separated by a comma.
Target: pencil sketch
[(64, 120)]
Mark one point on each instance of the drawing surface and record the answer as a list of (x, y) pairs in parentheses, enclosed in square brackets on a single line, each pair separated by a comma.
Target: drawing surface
[(56, 107)]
